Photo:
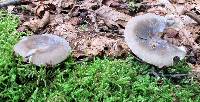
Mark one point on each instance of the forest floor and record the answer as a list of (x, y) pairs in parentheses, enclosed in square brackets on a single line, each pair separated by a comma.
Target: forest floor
[(111, 74)]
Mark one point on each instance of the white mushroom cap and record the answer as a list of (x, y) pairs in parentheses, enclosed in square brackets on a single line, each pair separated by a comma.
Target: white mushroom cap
[(43, 49), (142, 36)]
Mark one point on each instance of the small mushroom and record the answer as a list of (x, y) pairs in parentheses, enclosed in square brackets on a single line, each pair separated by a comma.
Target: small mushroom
[(142, 34), (43, 49)]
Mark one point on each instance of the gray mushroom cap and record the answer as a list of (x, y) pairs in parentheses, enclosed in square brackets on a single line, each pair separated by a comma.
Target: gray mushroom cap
[(142, 36), (43, 49)]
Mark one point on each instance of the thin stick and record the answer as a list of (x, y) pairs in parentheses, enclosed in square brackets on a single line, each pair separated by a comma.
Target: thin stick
[(9, 2), (192, 15), (13, 2)]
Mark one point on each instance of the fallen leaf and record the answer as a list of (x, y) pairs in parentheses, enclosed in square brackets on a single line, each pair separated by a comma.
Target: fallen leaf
[(112, 17)]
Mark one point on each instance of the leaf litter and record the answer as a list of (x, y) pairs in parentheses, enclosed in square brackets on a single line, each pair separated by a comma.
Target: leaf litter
[(95, 27)]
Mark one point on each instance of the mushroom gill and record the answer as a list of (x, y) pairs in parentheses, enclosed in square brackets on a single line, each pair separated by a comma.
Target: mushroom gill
[(43, 49), (142, 34)]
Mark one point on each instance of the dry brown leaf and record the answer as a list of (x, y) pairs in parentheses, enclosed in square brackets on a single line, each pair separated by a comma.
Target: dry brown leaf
[(112, 17), (157, 10), (99, 46), (195, 71), (67, 3), (115, 3), (89, 43), (37, 24), (181, 1), (91, 4), (110, 2)]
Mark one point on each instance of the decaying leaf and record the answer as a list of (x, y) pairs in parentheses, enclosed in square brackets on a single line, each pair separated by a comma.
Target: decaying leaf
[(113, 17), (36, 24), (115, 3)]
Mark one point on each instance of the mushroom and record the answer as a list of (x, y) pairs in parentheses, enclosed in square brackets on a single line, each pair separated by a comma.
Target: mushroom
[(142, 34), (43, 49)]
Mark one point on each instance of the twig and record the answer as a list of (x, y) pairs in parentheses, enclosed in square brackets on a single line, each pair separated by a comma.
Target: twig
[(168, 75), (145, 4), (72, 10), (192, 15), (9, 2), (175, 75), (13, 2)]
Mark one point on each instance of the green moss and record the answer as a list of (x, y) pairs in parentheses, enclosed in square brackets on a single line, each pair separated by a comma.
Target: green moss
[(99, 80)]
